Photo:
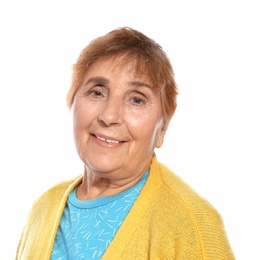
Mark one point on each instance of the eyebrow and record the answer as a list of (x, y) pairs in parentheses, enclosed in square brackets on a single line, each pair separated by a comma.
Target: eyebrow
[(138, 84), (105, 81), (97, 80)]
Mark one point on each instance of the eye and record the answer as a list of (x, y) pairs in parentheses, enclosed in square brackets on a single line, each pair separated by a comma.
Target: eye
[(138, 100), (95, 93)]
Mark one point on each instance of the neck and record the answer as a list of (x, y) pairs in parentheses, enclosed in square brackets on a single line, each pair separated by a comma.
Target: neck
[(94, 186)]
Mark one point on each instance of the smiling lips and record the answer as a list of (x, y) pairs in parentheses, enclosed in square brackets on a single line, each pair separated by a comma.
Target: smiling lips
[(109, 141)]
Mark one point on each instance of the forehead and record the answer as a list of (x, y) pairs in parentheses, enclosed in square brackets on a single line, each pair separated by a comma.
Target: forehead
[(121, 67)]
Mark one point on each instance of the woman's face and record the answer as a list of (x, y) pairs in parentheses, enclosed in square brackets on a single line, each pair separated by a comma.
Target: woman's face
[(118, 120)]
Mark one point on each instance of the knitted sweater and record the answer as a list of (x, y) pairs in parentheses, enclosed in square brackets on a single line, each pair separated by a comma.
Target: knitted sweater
[(167, 221)]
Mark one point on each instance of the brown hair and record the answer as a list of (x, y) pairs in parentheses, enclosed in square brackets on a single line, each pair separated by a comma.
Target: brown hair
[(135, 46)]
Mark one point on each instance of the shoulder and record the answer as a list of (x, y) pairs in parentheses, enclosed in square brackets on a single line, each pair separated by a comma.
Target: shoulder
[(181, 202), (191, 214), (175, 187), (43, 219), (57, 193)]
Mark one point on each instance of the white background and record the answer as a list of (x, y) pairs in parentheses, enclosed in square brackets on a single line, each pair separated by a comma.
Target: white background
[(209, 142)]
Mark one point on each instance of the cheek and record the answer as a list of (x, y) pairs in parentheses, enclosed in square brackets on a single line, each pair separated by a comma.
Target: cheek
[(81, 135), (83, 113), (138, 120), (145, 126), (80, 119)]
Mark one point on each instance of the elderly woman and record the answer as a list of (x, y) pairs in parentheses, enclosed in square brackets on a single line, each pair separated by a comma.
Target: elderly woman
[(126, 205)]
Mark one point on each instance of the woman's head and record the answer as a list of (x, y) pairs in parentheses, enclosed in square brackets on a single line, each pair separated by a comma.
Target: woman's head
[(118, 120), (134, 46)]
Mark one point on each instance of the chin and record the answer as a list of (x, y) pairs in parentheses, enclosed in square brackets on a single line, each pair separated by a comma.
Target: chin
[(103, 165)]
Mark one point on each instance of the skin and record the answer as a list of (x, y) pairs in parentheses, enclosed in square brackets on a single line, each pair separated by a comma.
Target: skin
[(118, 122)]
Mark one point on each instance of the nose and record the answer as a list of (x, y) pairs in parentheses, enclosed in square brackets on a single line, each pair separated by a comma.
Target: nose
[(112, 113)]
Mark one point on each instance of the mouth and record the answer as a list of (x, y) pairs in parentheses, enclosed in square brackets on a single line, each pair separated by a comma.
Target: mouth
[(107, 140)]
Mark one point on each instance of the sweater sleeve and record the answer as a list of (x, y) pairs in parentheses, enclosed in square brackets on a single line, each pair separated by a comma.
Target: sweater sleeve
[(38, 235), (207, 223), (212, 235)]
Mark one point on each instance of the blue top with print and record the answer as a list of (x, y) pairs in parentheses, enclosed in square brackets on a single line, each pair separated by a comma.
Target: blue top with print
[(87, 227)]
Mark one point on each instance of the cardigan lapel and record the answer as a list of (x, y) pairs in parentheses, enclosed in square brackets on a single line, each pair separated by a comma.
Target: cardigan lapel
[(137, 215)]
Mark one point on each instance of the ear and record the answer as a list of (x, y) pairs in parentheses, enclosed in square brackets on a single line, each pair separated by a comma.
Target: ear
[(161, 135)]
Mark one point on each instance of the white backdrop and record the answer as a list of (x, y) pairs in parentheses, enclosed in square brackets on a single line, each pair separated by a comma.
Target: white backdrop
[(209, 142)]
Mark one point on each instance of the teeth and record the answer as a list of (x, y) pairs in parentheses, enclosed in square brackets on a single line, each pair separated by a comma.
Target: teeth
[(107, 140)]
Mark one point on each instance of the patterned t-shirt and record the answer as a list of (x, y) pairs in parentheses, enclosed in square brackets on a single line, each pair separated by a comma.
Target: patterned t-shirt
[(87, 227)]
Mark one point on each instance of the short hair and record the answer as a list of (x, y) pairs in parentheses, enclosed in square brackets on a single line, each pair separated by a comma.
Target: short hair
[(149, 58)]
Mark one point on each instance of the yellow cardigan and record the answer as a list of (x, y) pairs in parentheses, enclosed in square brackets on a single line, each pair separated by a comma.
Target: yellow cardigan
[(168, 221)]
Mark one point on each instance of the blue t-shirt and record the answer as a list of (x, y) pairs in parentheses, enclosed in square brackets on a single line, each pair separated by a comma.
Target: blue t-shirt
[(87, 227)]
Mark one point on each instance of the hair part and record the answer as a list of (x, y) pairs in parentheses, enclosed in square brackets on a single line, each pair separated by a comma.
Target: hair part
[(134, 46)]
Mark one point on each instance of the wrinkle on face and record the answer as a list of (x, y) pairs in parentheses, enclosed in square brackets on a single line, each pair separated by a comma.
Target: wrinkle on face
[(114, 110)]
